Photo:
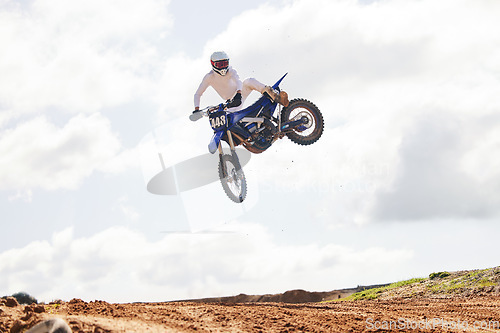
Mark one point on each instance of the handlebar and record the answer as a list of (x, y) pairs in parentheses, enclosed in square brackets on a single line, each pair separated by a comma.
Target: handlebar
[(196, 115)]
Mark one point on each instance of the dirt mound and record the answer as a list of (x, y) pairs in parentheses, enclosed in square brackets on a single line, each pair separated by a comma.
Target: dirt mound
[(291, 296), (16, 318), (459, 301), (395, 315)]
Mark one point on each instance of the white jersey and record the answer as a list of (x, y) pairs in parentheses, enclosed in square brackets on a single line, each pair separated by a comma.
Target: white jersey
[(226, 86)]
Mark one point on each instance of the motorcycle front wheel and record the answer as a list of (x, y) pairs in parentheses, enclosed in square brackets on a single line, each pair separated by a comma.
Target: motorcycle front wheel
[(233, 181), (312, 129)]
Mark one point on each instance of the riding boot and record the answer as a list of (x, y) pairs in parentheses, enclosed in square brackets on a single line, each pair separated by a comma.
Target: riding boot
[(281, 97)]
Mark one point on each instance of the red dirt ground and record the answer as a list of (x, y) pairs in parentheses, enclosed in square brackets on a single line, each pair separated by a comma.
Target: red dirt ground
[(473, 314)]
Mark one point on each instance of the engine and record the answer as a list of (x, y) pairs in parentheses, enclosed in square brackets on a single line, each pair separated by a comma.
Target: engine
[(264, 137)]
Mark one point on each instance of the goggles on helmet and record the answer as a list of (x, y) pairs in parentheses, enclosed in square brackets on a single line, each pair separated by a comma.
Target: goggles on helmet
[(220, 64)]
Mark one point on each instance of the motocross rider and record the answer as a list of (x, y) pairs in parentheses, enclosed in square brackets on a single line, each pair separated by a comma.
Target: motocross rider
[(226, 82)]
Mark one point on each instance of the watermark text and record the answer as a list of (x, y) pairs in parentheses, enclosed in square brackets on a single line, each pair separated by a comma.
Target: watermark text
[(405, 324)]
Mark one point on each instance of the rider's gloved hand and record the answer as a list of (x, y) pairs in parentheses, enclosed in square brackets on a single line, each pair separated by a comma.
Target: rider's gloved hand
[(195, 115), (236, 101)]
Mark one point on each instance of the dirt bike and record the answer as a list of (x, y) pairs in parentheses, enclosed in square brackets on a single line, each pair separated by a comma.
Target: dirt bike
[(256, 128)]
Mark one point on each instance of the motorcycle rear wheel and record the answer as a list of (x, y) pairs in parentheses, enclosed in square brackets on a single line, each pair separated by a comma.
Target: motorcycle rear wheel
[(299, 108), (234, 183)]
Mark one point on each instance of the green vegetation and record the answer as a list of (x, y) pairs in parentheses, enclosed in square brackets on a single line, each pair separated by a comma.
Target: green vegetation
[(52, 307), (439, 275), (374, 293), (463, 283), (472, 280), (486, 283), (478, 272)]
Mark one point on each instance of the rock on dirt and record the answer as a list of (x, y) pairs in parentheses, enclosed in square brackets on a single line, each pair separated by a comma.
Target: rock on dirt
[(34, 308), (11, 302)]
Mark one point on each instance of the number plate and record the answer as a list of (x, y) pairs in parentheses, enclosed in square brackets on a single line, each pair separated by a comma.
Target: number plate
[(218, 120)]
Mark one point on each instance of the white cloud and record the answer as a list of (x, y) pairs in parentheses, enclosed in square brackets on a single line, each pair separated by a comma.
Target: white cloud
[(113, 261), (431, 182), (181, 77), (375, 71), (25, 195), (79, 56), (124, 160), (126, 208), (38, 154)]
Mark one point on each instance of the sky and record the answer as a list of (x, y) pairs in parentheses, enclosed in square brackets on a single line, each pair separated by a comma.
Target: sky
[(404, 182)]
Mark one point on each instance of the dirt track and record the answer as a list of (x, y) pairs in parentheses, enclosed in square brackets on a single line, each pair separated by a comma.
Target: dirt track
[(422, 315)]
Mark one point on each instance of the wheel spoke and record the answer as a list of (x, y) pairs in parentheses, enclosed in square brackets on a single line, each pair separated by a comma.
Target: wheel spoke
[(308, 132), (232, 180), (297, 114), (234, 184)]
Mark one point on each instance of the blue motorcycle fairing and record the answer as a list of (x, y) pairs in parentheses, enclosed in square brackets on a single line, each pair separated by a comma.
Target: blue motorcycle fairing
[(263, 103), (214, 143), (275, 86), (238, 130)]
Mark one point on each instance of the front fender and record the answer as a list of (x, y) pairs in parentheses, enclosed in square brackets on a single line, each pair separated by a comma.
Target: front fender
[(214, 143)]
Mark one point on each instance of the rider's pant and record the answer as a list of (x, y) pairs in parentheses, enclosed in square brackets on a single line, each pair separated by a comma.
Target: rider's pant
[(249, 85)]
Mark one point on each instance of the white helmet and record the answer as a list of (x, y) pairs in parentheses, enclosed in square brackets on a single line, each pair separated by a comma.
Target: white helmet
[(220, 62)]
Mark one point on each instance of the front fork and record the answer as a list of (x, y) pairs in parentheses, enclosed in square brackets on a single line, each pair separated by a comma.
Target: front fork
[(236, 161)]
